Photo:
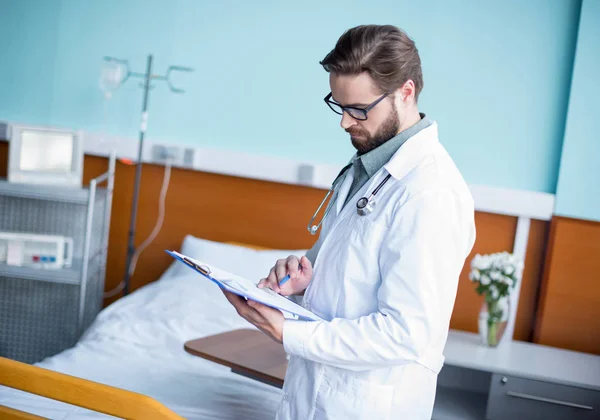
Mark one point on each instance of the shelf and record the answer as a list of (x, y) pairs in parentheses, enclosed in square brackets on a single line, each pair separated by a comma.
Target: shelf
[(45, 192), (69, 275), (457, 404)]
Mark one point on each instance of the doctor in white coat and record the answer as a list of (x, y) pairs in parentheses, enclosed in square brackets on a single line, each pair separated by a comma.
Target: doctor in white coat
[(383, 278)]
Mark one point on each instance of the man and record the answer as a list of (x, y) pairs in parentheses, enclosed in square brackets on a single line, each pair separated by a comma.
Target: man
[(384, 281)]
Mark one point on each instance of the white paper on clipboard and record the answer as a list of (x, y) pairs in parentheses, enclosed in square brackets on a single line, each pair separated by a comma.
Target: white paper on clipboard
[(246, 288)]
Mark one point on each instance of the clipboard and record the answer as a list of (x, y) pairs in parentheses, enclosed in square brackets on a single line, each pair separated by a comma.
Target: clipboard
[(245, 288)]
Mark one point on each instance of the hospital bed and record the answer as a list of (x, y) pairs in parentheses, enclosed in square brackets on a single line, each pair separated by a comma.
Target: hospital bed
[(132, 362)]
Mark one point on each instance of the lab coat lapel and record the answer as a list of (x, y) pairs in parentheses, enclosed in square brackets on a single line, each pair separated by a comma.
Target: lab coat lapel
[(342, 212), (343, 191), (412, 151)]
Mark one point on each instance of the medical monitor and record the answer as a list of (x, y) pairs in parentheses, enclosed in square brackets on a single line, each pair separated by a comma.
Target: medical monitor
[(40, 155)]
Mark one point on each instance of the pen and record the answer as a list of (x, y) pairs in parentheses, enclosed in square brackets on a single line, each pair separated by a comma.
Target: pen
[(286, 278)]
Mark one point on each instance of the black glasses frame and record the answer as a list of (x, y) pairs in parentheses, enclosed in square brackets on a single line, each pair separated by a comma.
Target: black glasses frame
[(361, 111)]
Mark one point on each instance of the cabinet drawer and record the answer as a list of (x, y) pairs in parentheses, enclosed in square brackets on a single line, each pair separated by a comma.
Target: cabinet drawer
[(517, 398)]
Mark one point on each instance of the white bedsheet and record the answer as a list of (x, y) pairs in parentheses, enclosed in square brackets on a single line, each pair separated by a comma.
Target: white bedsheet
[(137, 344)]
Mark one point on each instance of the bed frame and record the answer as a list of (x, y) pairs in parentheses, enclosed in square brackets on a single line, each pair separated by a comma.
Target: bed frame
[(76, 391)]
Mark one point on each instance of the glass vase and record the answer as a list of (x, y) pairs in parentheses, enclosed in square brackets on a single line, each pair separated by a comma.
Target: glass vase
[(493, 318)]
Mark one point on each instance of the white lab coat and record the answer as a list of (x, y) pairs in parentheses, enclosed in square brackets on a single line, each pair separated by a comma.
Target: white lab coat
[(385, 284)]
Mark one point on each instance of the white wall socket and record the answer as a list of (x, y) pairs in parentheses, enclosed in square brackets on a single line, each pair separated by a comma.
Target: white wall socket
[(178, 156), (161, 153)]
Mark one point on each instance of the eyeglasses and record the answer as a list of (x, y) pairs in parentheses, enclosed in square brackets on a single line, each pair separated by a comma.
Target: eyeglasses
[(356, 113)]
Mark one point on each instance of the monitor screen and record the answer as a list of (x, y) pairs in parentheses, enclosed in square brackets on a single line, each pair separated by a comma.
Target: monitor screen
[(43, 151)]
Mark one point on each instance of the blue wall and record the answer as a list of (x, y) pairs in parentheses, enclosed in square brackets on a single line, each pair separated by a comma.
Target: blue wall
[(497, 74), (578, 193), (27, 57)]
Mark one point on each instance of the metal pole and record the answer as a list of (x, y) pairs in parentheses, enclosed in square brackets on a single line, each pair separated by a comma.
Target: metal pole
[(138, 175)]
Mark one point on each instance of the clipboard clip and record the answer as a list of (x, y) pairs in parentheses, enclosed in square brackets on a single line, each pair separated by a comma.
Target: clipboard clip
[(202, 268)]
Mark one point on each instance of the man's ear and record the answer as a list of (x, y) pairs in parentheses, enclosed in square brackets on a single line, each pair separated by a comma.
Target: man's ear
[(407, 92)]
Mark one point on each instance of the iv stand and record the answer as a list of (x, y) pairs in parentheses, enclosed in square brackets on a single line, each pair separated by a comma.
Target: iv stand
[(148, 76)]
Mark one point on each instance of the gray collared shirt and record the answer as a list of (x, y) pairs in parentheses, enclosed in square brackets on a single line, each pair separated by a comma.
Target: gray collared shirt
[(365, 166)]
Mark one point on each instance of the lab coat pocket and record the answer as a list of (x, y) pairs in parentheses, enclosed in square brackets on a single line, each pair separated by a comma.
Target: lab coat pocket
[(354, 400)]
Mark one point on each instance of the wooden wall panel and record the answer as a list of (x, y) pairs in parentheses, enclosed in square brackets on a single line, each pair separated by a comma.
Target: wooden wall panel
[(225, 208), (569, 315), (215, 207)]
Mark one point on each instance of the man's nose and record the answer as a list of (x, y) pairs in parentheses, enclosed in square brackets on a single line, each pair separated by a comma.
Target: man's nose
[(347, 121)]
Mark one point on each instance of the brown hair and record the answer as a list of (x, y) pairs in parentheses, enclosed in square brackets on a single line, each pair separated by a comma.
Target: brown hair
[(384, 51)]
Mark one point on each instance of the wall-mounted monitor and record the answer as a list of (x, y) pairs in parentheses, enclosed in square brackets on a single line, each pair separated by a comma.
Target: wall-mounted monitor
[(40, 155)]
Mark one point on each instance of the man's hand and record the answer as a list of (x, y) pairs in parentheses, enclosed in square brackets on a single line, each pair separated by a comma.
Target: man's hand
[(299, 270), (265, 318)]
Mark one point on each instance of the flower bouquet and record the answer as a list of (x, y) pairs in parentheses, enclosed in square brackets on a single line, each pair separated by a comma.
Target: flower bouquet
[(494, 276)]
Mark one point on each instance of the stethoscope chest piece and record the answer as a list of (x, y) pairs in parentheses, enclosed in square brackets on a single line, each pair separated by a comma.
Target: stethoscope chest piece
[(365, 206)]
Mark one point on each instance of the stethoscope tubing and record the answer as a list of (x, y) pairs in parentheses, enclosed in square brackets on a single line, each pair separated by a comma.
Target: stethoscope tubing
[(360, 209)]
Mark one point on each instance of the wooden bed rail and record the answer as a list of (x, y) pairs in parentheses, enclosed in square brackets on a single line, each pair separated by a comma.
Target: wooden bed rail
[(79, 392), (7, 413)]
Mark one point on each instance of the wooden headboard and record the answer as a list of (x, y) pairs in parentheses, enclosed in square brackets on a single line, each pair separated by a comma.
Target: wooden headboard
[(275, 215)]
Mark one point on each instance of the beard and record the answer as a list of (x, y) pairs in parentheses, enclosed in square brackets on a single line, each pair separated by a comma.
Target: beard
[(364, 142)]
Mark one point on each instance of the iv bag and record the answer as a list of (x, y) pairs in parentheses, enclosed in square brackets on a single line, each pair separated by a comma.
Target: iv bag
[(111, 77)]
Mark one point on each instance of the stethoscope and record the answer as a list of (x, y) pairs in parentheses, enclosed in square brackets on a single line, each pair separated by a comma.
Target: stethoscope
[(364, 205)]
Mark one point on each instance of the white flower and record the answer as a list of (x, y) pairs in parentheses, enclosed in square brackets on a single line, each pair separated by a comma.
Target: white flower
[(481, 262), (484, 280), (494, 271), (504, 259)]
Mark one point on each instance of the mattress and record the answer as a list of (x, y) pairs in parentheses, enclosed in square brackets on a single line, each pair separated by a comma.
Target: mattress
[(137, 344)]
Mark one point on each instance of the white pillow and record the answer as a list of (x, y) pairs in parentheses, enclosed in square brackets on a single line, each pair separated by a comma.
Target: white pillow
[(245, 262)]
